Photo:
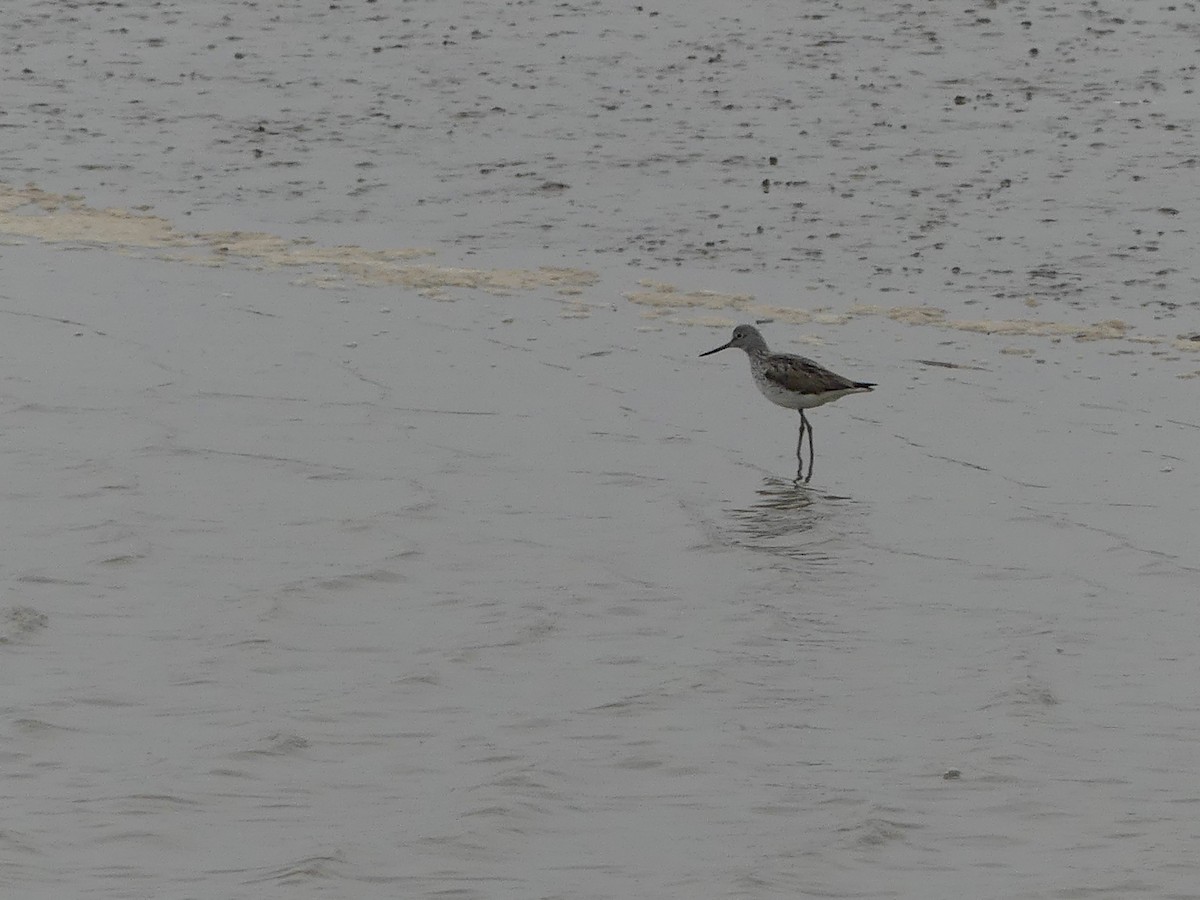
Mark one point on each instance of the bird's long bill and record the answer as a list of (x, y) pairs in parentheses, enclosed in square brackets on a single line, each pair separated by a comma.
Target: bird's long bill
[(718, 350)]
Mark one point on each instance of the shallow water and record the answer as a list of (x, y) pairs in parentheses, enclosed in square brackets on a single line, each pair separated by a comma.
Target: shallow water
[(335, 572)]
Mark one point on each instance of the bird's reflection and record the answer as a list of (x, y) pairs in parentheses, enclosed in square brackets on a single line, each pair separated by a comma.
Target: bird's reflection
[(792, 519), (782, 508)]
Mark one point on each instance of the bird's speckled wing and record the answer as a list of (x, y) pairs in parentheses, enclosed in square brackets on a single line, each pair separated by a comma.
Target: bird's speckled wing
[(795, 373)]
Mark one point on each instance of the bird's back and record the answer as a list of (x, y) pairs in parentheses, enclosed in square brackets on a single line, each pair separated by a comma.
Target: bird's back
[(799, 383)]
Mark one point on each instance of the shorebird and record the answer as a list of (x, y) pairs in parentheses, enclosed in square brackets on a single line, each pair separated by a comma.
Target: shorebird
[(792, 382)]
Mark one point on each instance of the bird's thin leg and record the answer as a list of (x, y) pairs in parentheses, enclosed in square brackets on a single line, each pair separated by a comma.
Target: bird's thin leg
[(804, 423), (800, 449)]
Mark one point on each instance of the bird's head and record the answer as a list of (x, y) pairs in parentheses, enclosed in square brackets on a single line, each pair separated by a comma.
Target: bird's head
[(745, 337)]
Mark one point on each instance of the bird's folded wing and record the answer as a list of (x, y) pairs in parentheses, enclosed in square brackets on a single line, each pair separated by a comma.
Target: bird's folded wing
[(795, 373)]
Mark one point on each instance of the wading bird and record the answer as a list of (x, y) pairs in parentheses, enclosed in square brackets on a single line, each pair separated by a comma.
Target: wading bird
[(791, 381)]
